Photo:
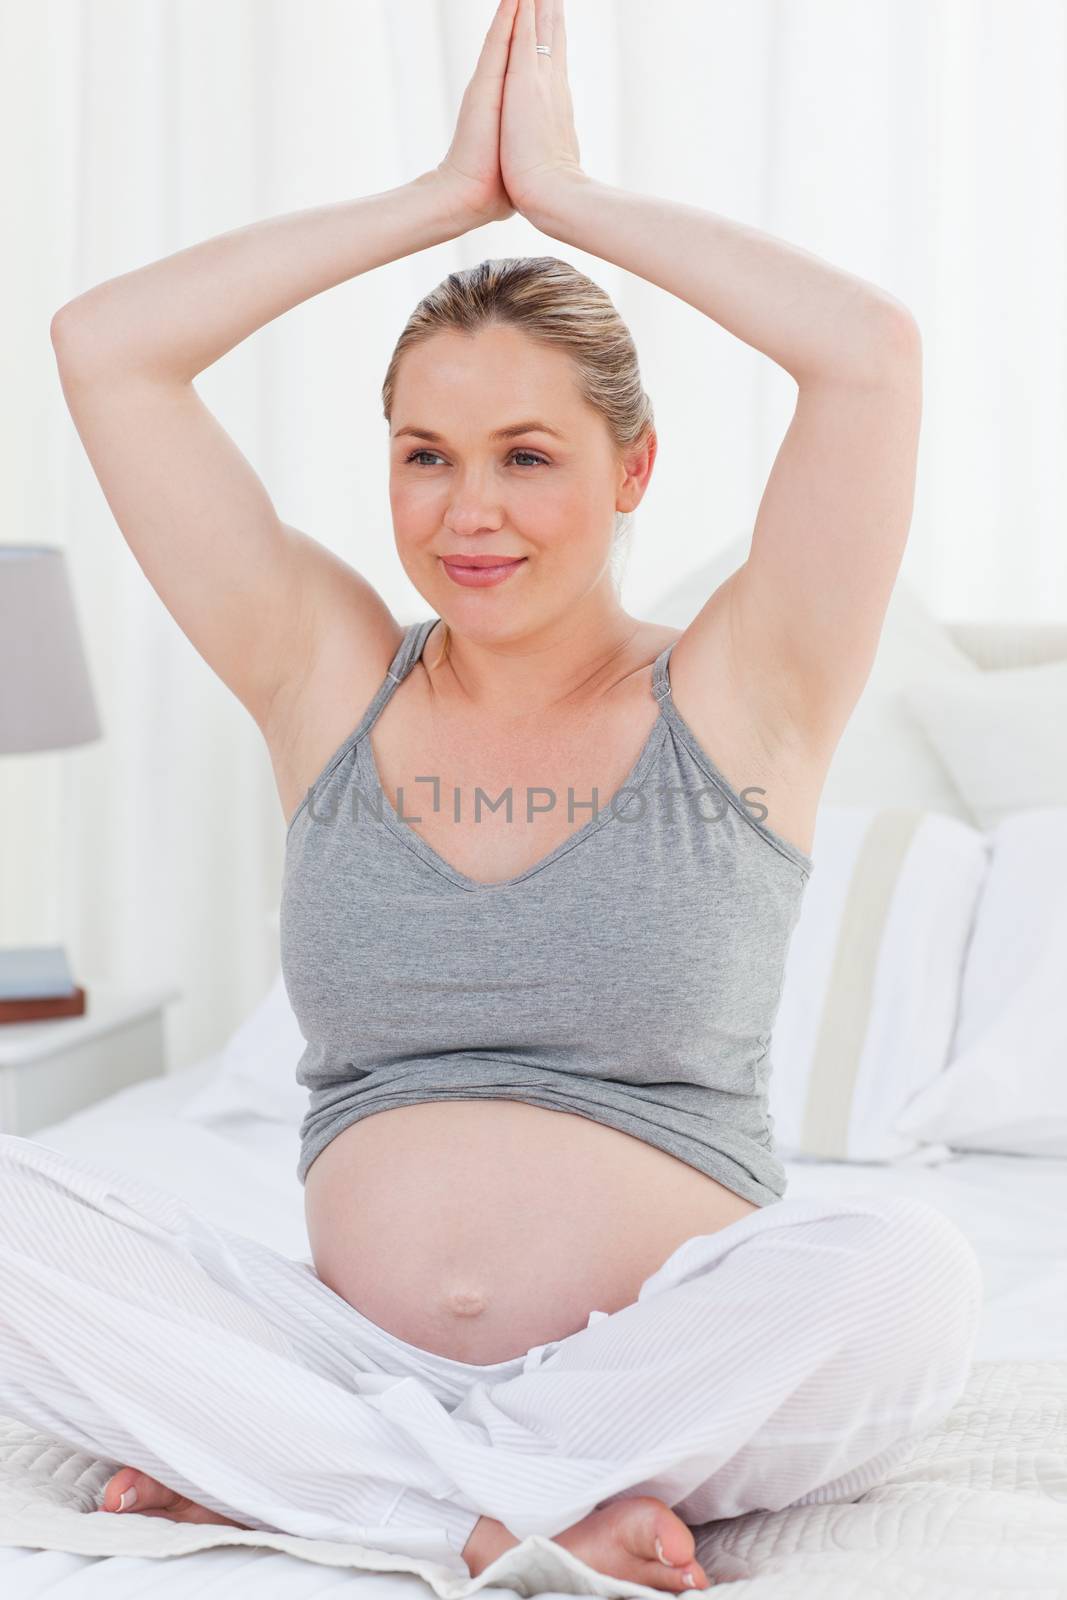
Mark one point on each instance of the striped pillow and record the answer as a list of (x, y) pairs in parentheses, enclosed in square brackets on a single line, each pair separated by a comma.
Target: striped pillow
[(872, 980), (1005, 1085)]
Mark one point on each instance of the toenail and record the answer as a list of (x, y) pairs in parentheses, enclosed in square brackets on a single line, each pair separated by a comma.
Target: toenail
[(690, 1580), (128, 1498), (661, 1556)]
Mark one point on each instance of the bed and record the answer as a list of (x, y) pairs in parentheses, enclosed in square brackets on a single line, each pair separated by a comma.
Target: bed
[(979, 1506)]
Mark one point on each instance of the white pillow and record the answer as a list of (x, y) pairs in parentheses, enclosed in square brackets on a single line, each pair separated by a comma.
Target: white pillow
[(256, 1075), (1002, 736), (872, 981), (882, 758), (1005, 1087)]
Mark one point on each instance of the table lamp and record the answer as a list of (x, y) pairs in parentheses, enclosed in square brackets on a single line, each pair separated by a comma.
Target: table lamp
[(46, 703)]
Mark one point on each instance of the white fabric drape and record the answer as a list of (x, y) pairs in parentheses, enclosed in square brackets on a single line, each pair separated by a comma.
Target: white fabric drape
[(918, 143)]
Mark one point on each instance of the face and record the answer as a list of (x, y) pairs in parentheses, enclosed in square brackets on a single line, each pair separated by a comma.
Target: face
[(546, 497)]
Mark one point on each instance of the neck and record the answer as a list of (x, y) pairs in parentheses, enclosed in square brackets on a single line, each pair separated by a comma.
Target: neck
[(564, 666)]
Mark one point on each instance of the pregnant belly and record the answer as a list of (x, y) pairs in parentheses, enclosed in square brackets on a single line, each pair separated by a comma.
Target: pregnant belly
[(477, 1229)]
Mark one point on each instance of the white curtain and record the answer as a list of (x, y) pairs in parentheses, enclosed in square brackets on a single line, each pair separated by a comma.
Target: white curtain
[(919, 143)]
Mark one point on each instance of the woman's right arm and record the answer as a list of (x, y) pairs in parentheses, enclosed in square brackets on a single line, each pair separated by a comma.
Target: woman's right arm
[(259, 600)]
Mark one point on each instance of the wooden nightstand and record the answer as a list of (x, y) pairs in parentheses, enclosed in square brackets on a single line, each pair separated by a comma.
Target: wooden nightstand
[(48, 1070)]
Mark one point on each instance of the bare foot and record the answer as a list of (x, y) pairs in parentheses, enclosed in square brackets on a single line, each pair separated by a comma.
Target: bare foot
[(151, 1498), (619, 1540)]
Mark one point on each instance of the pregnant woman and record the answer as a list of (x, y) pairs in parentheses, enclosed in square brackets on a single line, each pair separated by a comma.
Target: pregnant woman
[(543, 863)]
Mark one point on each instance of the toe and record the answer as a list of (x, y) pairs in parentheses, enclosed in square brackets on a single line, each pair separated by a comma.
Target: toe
[(672, 1542), (690, 1577), (669, 1542), (686, 1579), (130, 1490), (114, 1487)]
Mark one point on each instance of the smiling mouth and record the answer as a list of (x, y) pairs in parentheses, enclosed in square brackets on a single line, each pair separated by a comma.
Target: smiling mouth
[(479, 563), (481, 572)]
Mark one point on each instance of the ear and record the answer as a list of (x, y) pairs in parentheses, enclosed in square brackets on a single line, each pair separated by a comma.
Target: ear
[(637, 464)]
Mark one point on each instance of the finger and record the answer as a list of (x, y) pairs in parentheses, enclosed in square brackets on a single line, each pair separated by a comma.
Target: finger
[(494, 54), (526, 37), (544, 24), (559, 38)]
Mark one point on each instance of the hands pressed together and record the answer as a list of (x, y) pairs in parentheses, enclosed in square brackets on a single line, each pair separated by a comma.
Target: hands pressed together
[(515, 139)]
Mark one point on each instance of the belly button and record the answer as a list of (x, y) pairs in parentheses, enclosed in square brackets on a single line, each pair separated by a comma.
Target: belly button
[(466, 1302)]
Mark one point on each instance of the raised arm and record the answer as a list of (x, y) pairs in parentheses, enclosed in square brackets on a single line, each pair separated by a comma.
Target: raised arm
[(805, 611), (260, 601), (253, 595)]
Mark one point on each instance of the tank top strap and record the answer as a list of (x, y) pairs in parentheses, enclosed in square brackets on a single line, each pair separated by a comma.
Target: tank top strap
[(407, 653), (661, 683)]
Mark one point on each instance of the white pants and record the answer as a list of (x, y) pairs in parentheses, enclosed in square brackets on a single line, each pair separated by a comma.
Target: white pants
[(787, 1359)]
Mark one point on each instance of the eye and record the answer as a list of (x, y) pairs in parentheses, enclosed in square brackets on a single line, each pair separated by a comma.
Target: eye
[(536, 459)]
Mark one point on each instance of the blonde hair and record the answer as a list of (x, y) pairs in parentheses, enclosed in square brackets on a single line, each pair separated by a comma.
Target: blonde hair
[(555, 304)]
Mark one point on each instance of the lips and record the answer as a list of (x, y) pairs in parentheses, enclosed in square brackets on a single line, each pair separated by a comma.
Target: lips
[(479, 572), (481, 561)]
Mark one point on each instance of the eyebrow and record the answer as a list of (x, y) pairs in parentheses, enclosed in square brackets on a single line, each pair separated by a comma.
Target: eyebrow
[(511, 432)]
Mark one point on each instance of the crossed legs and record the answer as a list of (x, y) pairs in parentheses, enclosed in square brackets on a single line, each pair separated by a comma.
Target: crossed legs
[(787, 1359)]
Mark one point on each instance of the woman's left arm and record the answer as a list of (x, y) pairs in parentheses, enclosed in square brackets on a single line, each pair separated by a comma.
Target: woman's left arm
[(813, 319), (804, 612), (807, 607), (808, 604)]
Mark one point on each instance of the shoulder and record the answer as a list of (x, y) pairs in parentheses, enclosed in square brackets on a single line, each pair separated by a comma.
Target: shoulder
[(650, 640)]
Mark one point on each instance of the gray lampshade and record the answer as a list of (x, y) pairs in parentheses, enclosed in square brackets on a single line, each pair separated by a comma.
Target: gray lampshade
[(46, 699)]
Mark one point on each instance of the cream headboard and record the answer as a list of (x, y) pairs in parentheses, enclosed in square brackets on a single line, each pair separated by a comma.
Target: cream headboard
[(996, 645)]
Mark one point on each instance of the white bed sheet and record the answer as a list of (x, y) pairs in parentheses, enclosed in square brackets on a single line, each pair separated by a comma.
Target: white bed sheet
[(243, 1175)]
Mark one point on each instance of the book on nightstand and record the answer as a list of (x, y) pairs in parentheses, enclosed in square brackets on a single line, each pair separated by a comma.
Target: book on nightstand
[(36, 985)]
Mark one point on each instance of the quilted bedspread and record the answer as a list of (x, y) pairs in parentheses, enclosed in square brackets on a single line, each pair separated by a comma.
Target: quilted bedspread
[(977, 1508)]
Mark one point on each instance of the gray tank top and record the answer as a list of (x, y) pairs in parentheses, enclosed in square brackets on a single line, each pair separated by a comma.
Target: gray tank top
[(631, 976)]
